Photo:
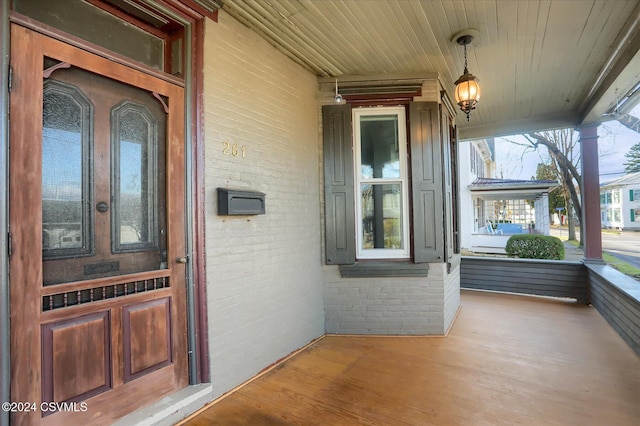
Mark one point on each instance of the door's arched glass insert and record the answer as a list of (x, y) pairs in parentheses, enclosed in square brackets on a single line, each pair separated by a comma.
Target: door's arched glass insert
[(66, 170), (134, 177)]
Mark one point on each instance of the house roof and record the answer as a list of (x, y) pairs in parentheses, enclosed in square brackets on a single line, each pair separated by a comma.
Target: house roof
[(630, 179), (511, 189), (541, 64)]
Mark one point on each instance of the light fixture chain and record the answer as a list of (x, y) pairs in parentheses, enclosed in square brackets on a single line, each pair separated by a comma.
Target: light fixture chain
[(465, 58)]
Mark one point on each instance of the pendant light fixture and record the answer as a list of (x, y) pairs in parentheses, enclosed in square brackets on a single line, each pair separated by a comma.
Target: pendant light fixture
[(467, 91), (338, 97)]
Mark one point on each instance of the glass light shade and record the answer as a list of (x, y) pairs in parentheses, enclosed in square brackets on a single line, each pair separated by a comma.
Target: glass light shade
[(467, 92)]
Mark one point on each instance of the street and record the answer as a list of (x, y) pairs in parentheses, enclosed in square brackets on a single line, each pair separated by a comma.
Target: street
[(623, 245)]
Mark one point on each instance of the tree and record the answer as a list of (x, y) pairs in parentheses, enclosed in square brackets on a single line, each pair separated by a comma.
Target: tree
[(633, 165), (564, 151), (557, 198)]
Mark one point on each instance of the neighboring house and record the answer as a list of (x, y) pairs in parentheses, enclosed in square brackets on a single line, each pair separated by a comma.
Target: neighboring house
[(620, 203), (476, 159), (505, 207), (491, 210)]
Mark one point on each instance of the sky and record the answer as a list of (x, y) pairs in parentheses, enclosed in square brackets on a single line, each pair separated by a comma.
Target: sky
[(614, 141)]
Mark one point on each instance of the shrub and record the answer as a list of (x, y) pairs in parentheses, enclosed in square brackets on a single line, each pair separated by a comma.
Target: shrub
[(532, 246)]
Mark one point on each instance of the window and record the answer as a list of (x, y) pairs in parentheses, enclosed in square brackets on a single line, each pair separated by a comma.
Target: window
[(386, 198), (616, 215), (616, 196), (381, 183)]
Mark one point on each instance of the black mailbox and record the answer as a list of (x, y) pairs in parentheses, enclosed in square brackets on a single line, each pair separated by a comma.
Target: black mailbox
[(236, 202)]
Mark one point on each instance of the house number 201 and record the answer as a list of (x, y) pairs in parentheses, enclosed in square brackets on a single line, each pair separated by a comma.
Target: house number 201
[(234, 149)]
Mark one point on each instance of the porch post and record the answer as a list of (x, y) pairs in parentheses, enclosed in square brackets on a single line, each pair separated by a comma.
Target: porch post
[(590, 193)]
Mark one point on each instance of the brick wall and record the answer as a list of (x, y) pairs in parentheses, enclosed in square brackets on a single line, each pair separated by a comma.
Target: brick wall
[(451, 293), (264, 278), (403, 306)]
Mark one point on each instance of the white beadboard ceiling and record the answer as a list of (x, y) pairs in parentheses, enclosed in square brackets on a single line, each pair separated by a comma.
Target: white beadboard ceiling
[(541, 63)]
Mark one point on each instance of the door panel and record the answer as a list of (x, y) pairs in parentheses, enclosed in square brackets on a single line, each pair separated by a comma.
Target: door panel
[(83, 342), (97, 221)]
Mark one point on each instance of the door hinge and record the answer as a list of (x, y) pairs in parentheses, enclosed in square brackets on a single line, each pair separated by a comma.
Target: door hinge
[(10, 78), (9, 244)]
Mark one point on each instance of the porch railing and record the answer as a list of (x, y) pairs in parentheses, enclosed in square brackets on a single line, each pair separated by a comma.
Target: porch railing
[(615, 295)]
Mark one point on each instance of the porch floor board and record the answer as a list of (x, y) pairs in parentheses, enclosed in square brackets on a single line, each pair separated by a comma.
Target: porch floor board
[(507, 360)]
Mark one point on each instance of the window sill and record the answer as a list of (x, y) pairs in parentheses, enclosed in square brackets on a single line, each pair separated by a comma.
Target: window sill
[(382, 269)]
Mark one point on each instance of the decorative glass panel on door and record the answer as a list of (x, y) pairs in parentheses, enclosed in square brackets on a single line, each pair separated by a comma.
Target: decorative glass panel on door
[(103, 177), (66, 196), (134, 218)]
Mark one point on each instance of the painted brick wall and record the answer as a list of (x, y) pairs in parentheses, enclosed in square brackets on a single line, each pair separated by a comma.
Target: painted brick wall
[(451, 293), (264, 277), (404, 305)]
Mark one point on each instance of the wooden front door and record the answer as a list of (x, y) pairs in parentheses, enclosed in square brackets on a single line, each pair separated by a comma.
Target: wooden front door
[(97, 265)]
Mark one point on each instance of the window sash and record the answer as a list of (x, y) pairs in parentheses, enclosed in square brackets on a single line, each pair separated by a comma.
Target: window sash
[(402, 180)]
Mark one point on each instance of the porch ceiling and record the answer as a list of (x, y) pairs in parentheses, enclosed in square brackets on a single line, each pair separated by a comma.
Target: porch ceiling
[(541, 64)]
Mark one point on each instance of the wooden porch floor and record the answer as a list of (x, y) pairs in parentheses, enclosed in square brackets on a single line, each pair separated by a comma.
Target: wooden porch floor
[(507, 360)]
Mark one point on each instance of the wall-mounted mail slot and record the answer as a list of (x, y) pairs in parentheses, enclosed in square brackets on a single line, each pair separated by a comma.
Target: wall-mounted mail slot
[(236, 202)]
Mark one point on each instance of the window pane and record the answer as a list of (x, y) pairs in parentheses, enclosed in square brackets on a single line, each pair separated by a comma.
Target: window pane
[(65, 219), (134, 191), (382, 216), (97, 26), (379, 148)]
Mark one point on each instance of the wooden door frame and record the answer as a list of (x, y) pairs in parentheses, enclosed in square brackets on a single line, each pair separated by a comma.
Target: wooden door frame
[(193, 20), (5, 361)]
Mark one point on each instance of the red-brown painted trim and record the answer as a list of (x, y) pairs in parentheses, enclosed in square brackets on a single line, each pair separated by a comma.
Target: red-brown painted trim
[(204, 374), (590, 193), (128, 18), (56, 34), (213, 15), (198, 257)]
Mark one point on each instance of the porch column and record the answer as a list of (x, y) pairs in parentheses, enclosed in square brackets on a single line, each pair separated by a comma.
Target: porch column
[(542, 214), (590, 193)]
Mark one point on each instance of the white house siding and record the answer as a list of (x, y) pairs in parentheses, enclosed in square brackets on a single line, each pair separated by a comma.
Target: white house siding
[(616, 203), (264, 276), (467, 209)]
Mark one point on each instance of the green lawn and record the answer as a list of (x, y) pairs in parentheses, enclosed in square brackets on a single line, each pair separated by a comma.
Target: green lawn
[(614, 262)]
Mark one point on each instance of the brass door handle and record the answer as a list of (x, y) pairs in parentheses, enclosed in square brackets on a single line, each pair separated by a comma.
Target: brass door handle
[(182, 260)]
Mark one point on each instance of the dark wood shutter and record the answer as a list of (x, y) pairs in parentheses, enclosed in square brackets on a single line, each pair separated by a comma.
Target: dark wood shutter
[(447, 184), (338, 185), (427, 185), (453, 142)]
